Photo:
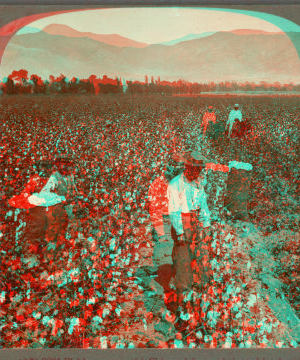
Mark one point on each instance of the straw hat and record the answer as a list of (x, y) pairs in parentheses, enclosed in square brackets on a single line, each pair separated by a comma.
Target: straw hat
[(64, 159), (44, 163), (194, 158)]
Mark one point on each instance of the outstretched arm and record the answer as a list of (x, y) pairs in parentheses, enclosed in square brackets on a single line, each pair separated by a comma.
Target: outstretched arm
[(204, 215)]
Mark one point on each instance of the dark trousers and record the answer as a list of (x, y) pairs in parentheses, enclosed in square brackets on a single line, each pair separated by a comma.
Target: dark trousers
[(35, 231), (34, 243), (190, 257), (57, 223), (162, 256), (44, 226)]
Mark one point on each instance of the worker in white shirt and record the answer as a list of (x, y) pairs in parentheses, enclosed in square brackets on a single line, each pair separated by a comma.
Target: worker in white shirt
[(62, 185), (234, 115), (33, 237), (190, 218), (163, 242), (209, 118)]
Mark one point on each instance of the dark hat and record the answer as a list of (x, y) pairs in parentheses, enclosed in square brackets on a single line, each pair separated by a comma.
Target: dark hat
[(64, 159), (194, 158), (176, 161), (44, 163)]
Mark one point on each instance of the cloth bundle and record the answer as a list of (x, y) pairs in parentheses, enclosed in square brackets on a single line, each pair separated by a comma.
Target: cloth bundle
[(228, 186), (238, 187)]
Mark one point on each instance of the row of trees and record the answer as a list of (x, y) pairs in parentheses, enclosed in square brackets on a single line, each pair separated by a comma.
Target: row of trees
[(186, 87), (18, 82)]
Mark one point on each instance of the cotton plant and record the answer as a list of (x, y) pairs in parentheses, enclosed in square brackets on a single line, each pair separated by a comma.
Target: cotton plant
[(230, 293)]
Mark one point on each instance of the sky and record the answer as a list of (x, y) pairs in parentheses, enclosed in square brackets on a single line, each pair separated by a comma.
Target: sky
[(155, 25)]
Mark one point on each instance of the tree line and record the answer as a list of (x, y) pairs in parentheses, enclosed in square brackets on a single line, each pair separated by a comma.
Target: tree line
[(19, 82)]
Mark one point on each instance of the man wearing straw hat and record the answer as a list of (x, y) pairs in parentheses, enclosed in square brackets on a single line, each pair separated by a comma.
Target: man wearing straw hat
[(159, 215), (162, 269), (190, 218), (234, 115)]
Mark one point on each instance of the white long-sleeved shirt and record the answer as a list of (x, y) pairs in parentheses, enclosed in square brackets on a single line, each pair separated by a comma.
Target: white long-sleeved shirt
[(234, 114), (46, 197), (185, 196), (53, 183)]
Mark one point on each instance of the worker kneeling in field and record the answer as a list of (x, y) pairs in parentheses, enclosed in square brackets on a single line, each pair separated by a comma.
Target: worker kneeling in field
[(57, 196), (35, 219), (190, 218)]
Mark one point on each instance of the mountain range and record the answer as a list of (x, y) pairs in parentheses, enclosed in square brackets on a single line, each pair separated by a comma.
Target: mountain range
[(111, 39), (241, 55)]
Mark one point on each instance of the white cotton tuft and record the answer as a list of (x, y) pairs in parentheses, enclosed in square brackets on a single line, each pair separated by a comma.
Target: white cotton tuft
[(240, 165)]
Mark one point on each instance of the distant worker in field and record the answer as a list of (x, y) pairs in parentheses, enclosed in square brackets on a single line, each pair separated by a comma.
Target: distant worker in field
[(209, 119), (234, 118)]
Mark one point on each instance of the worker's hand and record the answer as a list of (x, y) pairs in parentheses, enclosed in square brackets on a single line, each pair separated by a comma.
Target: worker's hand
[(180, 238), (69, 201), (162, 238)]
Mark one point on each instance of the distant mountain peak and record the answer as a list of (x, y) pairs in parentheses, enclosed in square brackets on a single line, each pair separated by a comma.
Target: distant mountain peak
[(110, 39), (28, 30), (254, 32), (56, 27), (194, 36)]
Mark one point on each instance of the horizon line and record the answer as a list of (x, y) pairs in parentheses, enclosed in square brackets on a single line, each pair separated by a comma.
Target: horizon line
[(116, 77)]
